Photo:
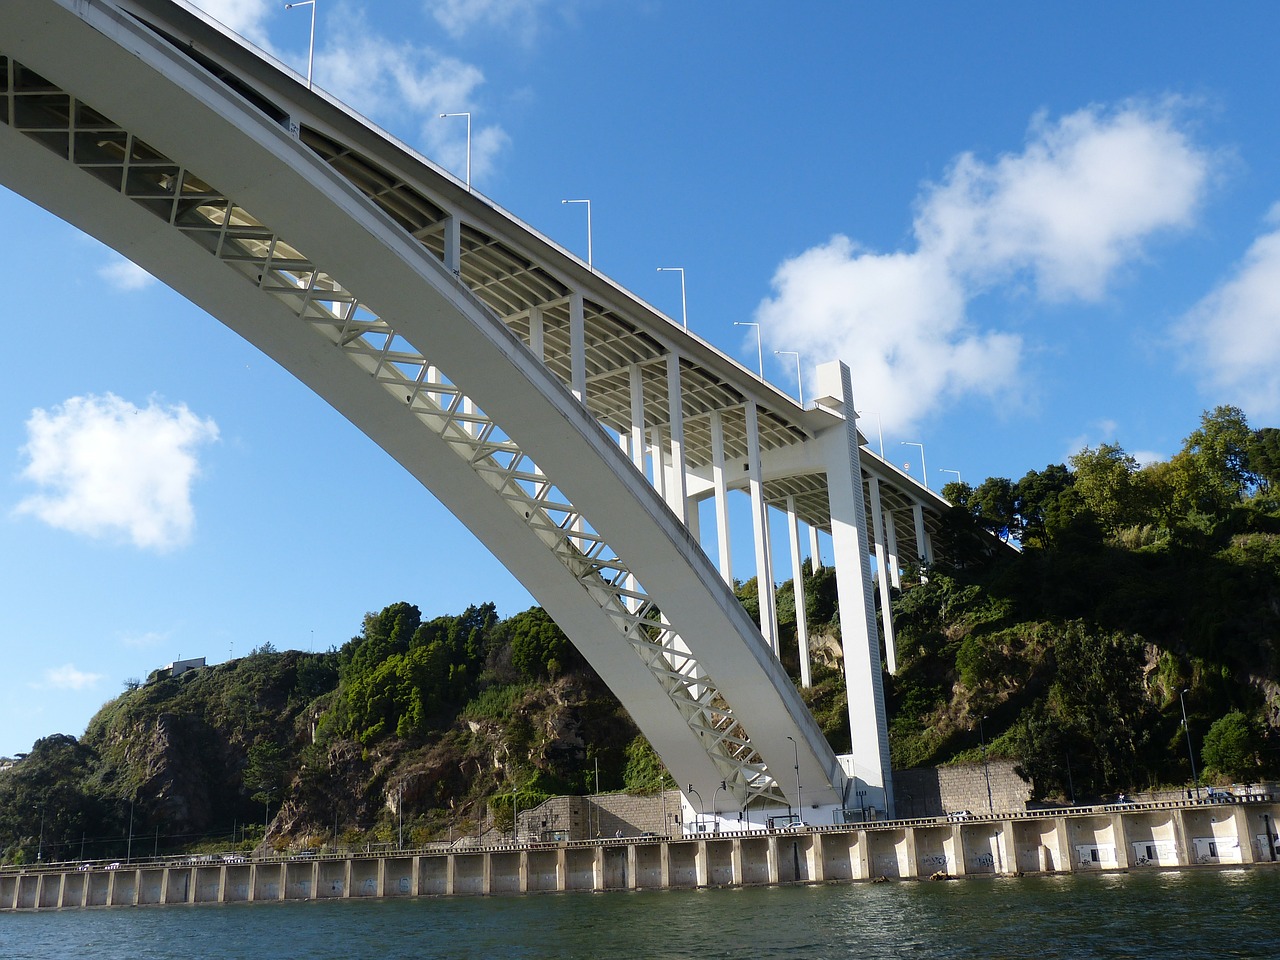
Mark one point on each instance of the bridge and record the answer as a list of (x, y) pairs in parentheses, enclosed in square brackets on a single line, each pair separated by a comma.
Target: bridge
[(575, 430)]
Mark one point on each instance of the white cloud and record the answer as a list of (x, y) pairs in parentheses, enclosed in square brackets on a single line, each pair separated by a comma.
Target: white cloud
[(399, 84), (517, 17), (143, 641), (245, 17), (106, 467), (67, 677), (1072, 208), (1076, 204), (1232, 337), (125, 275), (403, 84)]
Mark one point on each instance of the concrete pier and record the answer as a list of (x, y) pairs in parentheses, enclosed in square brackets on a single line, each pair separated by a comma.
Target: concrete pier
[(1117, 837)]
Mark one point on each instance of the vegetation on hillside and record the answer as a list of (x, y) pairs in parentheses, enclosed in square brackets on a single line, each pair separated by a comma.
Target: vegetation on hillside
[(1135, 583), (1136, 589)]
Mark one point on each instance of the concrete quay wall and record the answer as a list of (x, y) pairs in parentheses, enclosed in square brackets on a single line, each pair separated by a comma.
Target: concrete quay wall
[(1121, 837)]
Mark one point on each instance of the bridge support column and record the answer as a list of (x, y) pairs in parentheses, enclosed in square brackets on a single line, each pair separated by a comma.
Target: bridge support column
[(760, 527), (891, 542), (536, 331), (1241, 817), (1121, 838), (959, 853), (677, 498), (867, 718), (453, 244), (577, 347), (883, 578), (797, 585), (815, 552), (721, 496), (924, 549)]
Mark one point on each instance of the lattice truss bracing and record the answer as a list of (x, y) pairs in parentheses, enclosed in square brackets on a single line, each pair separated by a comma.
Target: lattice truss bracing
[(196, 210)]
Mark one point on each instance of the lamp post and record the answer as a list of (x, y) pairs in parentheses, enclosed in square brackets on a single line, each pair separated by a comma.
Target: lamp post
[(40, 846), (400, 817), (986, 771), (715, 811), (588, 203), (959, 479), (924, 469), (759, 348), (684, 306), (702, 810), (1195, 779), (466, 114), (799, 378), (311, 47), (799, 797), (879, 429), (128, 850)]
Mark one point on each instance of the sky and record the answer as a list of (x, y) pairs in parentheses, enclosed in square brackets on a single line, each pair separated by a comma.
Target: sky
[(1027, 228)]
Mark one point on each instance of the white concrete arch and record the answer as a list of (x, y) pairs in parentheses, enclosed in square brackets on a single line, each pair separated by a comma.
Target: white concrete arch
[(569, 425), (180, 171)]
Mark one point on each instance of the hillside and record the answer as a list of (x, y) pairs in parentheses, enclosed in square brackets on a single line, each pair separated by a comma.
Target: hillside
[(1136, 590)]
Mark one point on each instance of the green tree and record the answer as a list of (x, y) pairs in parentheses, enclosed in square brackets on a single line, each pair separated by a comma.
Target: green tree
[(1231, 747), (1107, 481), (1264, 455), (264, 773)]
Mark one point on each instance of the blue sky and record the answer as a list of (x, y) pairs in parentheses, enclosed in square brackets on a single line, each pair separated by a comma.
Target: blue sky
[(1026, 227)]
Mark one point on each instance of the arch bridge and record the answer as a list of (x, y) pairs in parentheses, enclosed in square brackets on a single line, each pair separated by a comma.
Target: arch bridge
[(574, 429)]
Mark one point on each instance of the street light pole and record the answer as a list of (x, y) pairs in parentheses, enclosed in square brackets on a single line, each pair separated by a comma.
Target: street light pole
[(715, 811), (702, 810), (40, 847), (311, 48), (879, 429), (684, 305), (959, 479), (588, 203), (1195, 779), (924, 469), (759, 348), (799, 797), (468, 116), (799, 378)]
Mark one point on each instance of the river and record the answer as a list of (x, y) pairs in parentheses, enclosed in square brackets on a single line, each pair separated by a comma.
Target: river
[(1193, 913)]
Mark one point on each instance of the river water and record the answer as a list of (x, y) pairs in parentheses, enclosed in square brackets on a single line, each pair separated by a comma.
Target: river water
[(1201, 913)]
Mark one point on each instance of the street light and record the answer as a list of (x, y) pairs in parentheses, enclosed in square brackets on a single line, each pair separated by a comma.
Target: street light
[(986, 771), (684, 306), (311, 48), (588, 203), (1195, 779), (799, 799), (799, 378), (468, 116), (879, 429), (759, 348), (40, 847), (959, 479), (924, 470), (702, 809), (715, 811)]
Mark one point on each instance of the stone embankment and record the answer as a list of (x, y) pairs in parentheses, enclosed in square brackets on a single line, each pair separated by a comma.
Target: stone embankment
[(1181, 833)]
